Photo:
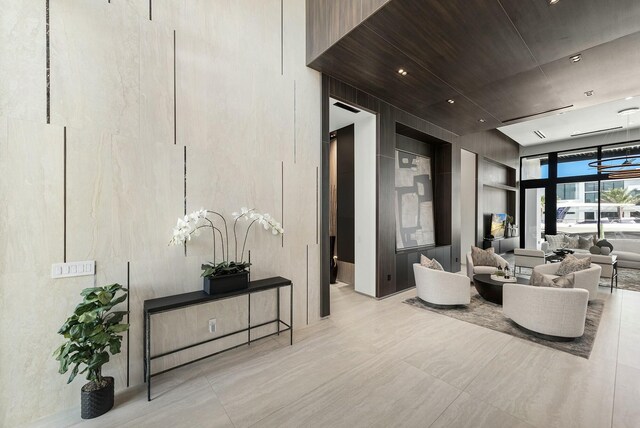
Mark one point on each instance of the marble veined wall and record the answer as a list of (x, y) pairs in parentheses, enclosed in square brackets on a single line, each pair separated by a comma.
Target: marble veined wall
[(116, 117)]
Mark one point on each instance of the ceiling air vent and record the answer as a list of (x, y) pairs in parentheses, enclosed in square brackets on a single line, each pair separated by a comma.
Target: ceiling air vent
[(596, 131), (346, 107), (540, 135)]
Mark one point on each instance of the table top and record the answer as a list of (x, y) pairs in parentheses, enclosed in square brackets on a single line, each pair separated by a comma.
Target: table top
[(176, 301), (486, 278)]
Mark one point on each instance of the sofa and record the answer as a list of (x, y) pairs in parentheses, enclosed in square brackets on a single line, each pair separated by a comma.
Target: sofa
[(475, 270), (441, 288), (623, 249), (628, 252), (557, 313), (528, 258), (587, 279)]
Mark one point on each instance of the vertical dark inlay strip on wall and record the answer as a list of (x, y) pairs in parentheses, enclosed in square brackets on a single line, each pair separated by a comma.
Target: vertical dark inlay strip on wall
[(282, 198), (281, 37), (295, 142), (307, 284), (128, 318), (185, 192), (175, 125), (150, 9), (317, 208), (48, 61), (64, 195)]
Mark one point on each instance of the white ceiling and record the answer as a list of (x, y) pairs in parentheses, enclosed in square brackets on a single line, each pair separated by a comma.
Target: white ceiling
[(561, 126), (339, 117)]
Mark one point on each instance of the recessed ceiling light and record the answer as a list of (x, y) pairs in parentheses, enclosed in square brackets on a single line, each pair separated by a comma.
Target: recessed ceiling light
[(629, 98), (401, 71), (576, 58), (481, 120), (628, 111), (450, 101), (404, 73), (589, 93), (553, 1)]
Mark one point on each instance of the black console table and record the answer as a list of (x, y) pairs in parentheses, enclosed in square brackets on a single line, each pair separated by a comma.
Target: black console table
[(178, 301)]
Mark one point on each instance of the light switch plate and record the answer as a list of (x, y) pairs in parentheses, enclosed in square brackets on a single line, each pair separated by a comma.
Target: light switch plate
[(66, 270)]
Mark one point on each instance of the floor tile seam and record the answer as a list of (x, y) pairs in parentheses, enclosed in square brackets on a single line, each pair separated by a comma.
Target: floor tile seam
[(220, 401), (487, 364), (331, 379), (615, 374)]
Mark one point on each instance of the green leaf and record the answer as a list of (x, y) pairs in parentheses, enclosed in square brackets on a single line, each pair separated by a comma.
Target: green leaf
[(119, 328), (115, 317), (87, 317), (74, 372), (104, 297)]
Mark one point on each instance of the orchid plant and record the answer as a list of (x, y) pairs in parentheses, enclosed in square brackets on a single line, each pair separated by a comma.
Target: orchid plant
[(191, 225)]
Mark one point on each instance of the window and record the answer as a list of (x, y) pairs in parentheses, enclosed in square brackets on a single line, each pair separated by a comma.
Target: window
[(566, 191), (576, 163), (590, 216), (591, 192), (535, 167)]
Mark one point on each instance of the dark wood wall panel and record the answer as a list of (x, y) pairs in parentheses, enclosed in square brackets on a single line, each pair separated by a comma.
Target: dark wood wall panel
[(345, 192), (394, 271)]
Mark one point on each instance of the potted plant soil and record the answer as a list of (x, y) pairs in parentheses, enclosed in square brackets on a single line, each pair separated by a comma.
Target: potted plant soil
[(92, 333)]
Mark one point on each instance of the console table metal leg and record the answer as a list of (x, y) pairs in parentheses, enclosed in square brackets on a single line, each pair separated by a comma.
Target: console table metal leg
[(249, 320), (291, 312), (148, 356), (144, 347), (278, 307)]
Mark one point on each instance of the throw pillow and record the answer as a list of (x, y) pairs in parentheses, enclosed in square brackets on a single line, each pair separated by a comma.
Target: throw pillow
[(595, 250), (572, 264), (565, 281), (572, 242), (555, 241), (540, 280), (430, 263), (482, 257), (424, 260), (585, 243)]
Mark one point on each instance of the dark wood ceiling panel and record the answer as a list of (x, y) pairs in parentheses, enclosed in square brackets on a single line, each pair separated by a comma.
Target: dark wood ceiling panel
[(468, 43), (520, 95), (462, 117), (611, 70), (571, 26), (370, 6), (365, 60), (328, 21)]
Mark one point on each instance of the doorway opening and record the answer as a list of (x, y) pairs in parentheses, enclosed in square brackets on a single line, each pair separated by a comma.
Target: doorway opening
[(352, 198)]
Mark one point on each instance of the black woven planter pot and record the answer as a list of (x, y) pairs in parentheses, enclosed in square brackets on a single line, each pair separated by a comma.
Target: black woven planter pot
[(97, 402), (226, 283)]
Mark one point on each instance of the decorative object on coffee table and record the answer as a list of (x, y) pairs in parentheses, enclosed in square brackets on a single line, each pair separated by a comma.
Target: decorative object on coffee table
[(92, 333), (227, 275), (490, 289)]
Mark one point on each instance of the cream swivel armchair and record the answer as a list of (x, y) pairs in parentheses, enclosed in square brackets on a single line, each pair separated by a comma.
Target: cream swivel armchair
[(441, 288), (555, 313), (475, 270), (587, 279)]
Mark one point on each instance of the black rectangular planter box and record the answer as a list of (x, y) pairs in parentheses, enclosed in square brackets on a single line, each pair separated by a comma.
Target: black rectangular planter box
[(226, 283)]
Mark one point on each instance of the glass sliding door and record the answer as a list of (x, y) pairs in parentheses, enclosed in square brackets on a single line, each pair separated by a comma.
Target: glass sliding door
[(534, 208), (620, 209), (576, 214)]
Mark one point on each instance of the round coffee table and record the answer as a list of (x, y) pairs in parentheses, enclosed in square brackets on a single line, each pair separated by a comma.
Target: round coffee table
[(492, 290)]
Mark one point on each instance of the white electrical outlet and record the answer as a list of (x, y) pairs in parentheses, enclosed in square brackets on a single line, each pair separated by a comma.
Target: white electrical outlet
[(65, 270), (212, 325)]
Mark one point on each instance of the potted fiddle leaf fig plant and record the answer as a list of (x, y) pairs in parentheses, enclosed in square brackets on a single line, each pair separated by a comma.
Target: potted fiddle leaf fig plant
[(227, 274), (93, 332)]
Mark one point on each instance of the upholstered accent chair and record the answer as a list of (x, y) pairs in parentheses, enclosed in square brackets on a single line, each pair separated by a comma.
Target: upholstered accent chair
[(475, 270), (440, 287), (587, 279), (556, 313), (528, 258)]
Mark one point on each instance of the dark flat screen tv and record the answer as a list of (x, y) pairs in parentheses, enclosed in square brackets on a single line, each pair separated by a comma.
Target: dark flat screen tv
[(497, 225)]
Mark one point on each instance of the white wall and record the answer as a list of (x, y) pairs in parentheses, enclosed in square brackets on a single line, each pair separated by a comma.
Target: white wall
[(250, 125), (365, 204), (468, 187)]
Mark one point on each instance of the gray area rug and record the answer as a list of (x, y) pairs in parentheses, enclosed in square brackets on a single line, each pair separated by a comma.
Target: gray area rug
[(486, 314), (628, 279)]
